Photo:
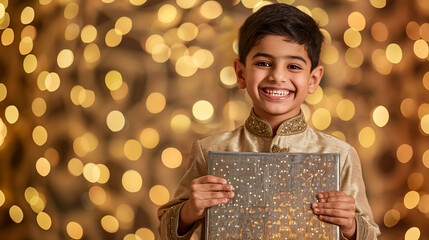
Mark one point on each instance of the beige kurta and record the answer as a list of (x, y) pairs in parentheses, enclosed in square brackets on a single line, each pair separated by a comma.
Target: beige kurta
[(293, 135)]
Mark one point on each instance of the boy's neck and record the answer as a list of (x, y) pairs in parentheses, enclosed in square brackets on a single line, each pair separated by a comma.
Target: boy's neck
[(275, 120)]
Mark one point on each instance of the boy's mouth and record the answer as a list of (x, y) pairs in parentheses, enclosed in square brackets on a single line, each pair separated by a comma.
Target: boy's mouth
[(276, 92)]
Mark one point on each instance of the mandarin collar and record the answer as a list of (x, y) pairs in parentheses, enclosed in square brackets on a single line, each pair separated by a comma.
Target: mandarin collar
[(261, 128)]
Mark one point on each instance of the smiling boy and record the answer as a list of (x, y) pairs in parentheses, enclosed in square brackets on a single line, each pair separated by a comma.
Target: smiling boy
[(278, 66)]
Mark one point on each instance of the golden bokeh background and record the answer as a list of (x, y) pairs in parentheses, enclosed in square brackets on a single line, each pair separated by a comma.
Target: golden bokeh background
[(101, 100)]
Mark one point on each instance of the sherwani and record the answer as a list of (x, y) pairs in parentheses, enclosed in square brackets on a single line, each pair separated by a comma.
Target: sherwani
[(293, 135)]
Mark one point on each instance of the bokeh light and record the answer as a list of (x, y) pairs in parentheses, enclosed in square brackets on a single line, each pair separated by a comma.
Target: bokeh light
[(202, 110), (171, 157), (74, 230), (155, 102), (132, 181), (159, 194)]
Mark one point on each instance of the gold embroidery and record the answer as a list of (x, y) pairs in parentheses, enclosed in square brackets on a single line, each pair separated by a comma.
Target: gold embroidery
[(261, 128), (277, 149), (172, 223)]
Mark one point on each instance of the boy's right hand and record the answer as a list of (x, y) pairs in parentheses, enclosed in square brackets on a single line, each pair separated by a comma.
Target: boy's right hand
[(206, 191)]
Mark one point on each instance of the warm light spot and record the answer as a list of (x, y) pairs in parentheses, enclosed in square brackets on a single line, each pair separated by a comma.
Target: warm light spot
[(11, 114), (115, 121), (249, 3), (161, 53), (71, 10), (25, 45), (110, 224), (5, 21), (421, 49), (152, 41), (424, 123), (228, 77), (149, 138), (211, 9), (304, 9), (415, 180), (404, 153), (352, 38), (411, 199), (204, 58), (329, 54), (65, 58), (203, 110), (3, 132), (31, 196), (171, 157), (3, 92), (38, 107), (380, 62), (187, 31), (137, 2), (74, 230), (132, 149), (379, 31), (88, 99), (27, 15), (357, 21), (2, 198), (40, 135), (113, 38), (75, 167), (380, 116), (423, 204), (180, 123), (354, 57), (16, 214), (7, 37), (2, 10), (378, 3), (391, 218), (394, 53), (52, 82), (315, 97), (145, 234), (132, 181), (260, 4), (424, 30), (43, 167), (125, 213), (413, 30), (408, 107), (423, 5), (345, 109), (120, 93), (423, 110), (104, 173), (185, 4), (425, 158), (91, 53), (97, 195), (339, 135), (91, 172), (72, 31), (236, 110), (167, 13), (366, 137), (159, 195), (186, 66), (44, 220), (321, 118), (113, 80), (320, 16), (155, 102), (425, 82), (412, 234), (124, 25), (30, 63)]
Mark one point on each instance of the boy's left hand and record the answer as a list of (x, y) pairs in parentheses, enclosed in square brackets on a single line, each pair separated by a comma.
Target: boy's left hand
[(338, 208)]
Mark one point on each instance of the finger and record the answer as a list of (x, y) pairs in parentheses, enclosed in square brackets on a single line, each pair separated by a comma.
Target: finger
[(212, 202), (209, 179), (211, 187), (335, 212), (348, 206), (214, 195)]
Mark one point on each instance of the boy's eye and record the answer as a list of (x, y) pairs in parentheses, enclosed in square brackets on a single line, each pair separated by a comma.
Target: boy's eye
[(263, 64), (295, 67)]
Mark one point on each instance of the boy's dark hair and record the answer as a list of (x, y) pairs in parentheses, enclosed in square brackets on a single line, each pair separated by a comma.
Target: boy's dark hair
[(283, 20)]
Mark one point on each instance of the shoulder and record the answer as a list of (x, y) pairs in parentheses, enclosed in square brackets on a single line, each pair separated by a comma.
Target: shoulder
[(219, 141), (328, 140)]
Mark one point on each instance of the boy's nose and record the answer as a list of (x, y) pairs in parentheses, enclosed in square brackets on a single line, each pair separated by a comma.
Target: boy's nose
[(278, 74)]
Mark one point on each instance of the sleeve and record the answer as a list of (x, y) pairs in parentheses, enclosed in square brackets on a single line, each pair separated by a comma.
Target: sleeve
[(169, 214), (352, 184)]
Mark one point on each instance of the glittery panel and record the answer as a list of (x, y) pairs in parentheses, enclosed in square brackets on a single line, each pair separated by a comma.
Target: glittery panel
[(273, 193)]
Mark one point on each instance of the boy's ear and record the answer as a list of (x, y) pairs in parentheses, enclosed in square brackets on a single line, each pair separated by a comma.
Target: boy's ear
[(315, 77), (240, 73)]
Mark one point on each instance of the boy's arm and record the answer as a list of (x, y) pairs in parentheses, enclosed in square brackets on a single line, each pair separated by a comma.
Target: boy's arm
[(353, 185)]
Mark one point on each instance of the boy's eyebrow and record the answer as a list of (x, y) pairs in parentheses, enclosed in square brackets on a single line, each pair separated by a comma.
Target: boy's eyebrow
[(287, 56)]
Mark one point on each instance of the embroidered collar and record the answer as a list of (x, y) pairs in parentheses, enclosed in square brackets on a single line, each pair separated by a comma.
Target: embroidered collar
[(261, 128)]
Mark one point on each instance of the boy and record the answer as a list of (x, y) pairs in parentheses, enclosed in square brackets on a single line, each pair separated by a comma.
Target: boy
[(279, 48)]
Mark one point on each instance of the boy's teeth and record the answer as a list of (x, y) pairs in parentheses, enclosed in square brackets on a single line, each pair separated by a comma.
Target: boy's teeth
[(277, 92)]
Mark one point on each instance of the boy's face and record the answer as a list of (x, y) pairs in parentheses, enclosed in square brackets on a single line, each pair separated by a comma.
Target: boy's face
[(277, 77)]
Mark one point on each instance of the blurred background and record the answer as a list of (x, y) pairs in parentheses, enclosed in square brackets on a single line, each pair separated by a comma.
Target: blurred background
[(101, 100)]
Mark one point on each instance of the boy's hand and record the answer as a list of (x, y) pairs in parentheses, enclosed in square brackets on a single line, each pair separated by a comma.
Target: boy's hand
[(338, 208), (206, 191)]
